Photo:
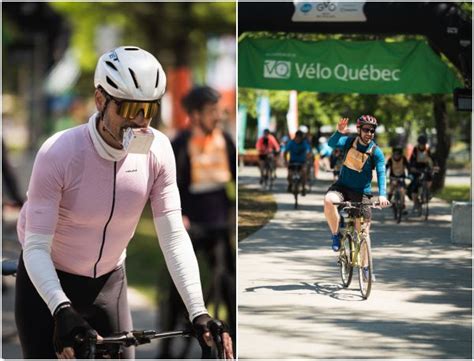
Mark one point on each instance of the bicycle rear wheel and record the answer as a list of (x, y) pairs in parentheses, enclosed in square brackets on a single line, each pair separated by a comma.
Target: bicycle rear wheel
[(365, 268), (345, 260)]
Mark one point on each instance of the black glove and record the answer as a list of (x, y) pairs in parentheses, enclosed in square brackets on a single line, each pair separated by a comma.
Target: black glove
[(67, 325), (204, 323), (200, 328)]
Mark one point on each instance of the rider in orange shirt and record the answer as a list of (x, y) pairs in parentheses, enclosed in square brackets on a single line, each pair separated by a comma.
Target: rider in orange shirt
[(266, 144)]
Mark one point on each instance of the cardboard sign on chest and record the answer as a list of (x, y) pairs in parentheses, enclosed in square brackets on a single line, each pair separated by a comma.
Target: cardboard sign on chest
[(356, 159)]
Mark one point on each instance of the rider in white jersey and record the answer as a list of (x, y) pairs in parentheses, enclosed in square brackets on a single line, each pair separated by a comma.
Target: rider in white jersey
[(87, 191)]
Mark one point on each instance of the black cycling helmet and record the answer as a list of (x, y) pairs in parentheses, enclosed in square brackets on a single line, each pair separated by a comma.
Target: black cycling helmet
[(422, 139), (198, 97), (299, 133)]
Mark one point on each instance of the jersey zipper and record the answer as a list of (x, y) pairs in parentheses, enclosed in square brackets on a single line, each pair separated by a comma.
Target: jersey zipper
[(108, 221)]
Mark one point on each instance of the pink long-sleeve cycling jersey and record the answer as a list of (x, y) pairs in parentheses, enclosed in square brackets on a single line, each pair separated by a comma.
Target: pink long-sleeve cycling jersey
[(91, 205)]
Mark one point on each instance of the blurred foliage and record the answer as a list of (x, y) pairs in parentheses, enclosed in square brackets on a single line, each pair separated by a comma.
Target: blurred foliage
[(466, 6), (414, 112), (175, 32)]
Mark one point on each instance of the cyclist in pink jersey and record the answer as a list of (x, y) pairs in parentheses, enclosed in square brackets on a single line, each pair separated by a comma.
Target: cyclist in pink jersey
[(88, 188)]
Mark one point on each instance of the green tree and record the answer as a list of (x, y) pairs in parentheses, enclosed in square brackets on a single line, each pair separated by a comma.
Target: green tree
[(177, 32)]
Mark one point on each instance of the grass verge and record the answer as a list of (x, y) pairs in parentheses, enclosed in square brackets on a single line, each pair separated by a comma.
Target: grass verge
[(460, 193), (256, 208)]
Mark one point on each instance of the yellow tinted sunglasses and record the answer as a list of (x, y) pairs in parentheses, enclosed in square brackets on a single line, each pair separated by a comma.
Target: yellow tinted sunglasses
[(130, 109)]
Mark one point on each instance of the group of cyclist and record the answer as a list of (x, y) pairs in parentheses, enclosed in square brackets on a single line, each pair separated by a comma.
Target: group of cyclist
[(298, 156), (353, 159), (401, 168)]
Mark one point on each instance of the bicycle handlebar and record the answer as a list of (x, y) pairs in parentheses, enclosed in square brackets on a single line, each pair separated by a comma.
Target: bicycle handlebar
[(140, 337), (349, 204), (135, 338)]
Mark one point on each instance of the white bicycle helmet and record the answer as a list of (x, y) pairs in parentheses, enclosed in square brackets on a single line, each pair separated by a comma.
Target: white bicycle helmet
[(129, 72), (303, 128)]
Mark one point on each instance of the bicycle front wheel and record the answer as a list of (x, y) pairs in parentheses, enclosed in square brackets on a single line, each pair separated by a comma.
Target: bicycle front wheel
[(365, 268), (345, 260), (296, 187), (426, 201), (265, 177)]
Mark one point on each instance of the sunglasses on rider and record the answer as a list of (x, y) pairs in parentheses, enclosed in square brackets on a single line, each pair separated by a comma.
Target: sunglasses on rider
[(368, 130), (129, 109)]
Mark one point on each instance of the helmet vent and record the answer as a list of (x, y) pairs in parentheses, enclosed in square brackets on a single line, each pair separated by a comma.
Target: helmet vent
[(111, 65), (111, 83), (133, 77), (157, 78), (131, 49)]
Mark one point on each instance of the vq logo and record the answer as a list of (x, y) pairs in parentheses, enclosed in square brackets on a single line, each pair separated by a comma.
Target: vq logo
[(277, 69)]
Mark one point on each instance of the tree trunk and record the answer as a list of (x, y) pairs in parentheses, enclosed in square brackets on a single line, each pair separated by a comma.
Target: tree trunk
[(443, 136)]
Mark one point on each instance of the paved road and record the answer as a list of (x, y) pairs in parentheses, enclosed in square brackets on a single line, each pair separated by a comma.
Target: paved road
[(292, 305)]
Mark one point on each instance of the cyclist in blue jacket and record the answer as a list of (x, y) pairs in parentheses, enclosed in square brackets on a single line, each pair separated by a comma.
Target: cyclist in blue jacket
[(300, 152), (362, 155)]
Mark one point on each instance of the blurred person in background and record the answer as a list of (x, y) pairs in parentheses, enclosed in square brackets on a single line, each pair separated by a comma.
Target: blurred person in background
[(300, 152), (283, 143), (88, 188), (324, 151), (10, 182), (266, 145), (335, 162), (420, 162), (397, 166), (206, 166)]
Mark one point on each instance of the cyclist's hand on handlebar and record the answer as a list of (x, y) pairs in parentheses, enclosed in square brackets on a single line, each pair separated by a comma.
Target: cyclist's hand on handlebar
[(201, 328), (342, 125), (383, 202), (67, 325)]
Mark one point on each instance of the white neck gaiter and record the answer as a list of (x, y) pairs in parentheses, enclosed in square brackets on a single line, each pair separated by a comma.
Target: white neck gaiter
[(105, 151)]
